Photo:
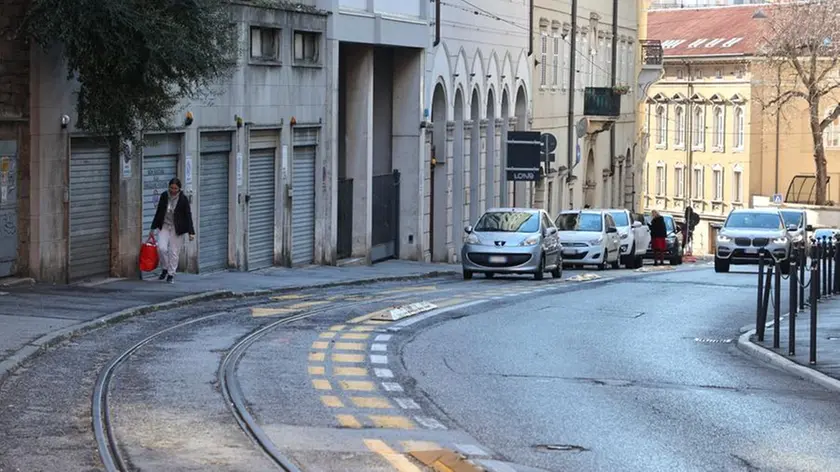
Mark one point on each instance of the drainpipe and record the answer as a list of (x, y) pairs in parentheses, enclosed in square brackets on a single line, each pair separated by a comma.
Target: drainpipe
[(437, 23), (571, 138), (689, 144), (613, 83), (778, 124), (530, 28)]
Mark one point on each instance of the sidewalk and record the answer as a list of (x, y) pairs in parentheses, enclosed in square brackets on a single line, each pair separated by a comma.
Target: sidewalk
[(33, 317)]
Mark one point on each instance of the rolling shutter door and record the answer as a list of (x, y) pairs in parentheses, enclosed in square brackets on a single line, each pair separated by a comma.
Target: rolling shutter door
[(160, 164), (214, 203), (90, 208), (303, 196), (261, 208)]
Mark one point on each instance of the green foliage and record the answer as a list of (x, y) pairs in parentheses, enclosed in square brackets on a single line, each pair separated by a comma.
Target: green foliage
[(135, 60)]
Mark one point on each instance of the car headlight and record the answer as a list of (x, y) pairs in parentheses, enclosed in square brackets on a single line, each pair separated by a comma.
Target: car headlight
[(797, 239), (473, 239), (530, 241), (781, 240), (724, 239), (596, 242), (625, 235)]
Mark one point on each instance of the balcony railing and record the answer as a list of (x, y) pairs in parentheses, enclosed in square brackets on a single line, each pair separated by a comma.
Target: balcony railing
[(651, 52), (601, 101)]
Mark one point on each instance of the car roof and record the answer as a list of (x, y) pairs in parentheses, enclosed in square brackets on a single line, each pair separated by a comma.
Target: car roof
[(584, 210), (766, 211), (513, 209)]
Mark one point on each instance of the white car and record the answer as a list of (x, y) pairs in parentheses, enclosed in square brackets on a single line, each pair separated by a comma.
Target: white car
[(589, 237), (634, 236)]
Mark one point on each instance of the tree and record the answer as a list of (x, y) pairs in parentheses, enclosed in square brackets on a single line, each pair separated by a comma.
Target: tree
[(799, 48), (135, 60)]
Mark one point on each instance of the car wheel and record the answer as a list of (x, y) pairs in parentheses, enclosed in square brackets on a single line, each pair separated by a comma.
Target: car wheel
[(468, 275), (630, 259), (676, 260), (540, 273), (721, 265), (488, 275), (615, 264), (639, 262)]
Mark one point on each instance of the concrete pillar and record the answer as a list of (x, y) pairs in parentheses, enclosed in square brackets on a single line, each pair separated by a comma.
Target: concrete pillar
[(468, 133), (326, 182), (189, 253), (497, 161), (359, 143), (426, 174), (409, 157), (483, 204), (450, 171)]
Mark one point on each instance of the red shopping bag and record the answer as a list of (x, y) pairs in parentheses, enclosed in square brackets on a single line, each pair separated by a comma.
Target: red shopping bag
[(149, 255)]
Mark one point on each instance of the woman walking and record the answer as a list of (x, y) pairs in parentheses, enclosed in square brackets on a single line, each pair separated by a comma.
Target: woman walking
[(173, 219), (658, 235)]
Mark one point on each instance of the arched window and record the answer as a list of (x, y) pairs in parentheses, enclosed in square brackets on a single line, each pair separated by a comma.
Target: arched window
[(699, 127), (739, 128), (661, 126), (718, 131), (679, 131), (831, 135)]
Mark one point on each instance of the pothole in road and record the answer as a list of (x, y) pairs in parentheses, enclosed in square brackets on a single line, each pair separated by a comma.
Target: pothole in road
[(559, 448)]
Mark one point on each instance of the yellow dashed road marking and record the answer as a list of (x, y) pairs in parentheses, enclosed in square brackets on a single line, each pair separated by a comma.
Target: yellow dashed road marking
[(363, 329), (398, 461), (316, 356), (355, 336), (337, 327), (425, 288), (450, 302), (391, 422), (260, 312), (316, 370), (350, 371), (299, 306), (419, 446), (329, 335), (287, 297), (371, 402), (348, 421), (357, 385), (332, 401), (348, 358), (320, 345), (359, 319), (349, 346), (321, 384)]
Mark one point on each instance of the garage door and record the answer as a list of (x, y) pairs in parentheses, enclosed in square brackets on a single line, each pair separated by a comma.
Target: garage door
[(213, 207), (303, 196), (261, 188), (90, 209), (160, 164)]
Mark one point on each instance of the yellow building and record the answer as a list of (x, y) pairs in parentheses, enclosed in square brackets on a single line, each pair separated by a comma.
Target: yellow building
[(712, 145)]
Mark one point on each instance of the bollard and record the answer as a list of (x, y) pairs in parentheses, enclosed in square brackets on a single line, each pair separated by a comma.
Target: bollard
[(836, 266), (765, 305), (814, 294), (800, 251), (824, 269), (829, 258), (793, 308), (777, 304), (759, 326)]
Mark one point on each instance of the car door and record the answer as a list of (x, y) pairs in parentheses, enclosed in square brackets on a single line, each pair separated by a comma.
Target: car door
[(550, 240), (641, 233), (612, 237)]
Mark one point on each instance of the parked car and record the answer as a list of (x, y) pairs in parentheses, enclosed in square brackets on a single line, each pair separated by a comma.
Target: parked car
[(748, 232), (796, 222), (589, 237), (674, 251), (830, 234), (634, 238), (513, 241)]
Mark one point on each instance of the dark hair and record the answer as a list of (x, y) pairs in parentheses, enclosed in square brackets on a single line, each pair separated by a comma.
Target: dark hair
[(175, 181)]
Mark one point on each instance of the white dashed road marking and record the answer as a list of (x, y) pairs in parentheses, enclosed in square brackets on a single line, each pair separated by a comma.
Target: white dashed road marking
[(379, 347), (392, 387), (430, 423), (383, 337), (407, 404), (383, 373), (378, 359)]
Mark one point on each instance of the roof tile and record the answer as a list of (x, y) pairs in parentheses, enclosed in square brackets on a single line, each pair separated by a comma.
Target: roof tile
[(718, 31)]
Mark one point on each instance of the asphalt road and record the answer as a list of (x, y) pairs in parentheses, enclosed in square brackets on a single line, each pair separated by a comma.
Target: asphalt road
[(630, 371)]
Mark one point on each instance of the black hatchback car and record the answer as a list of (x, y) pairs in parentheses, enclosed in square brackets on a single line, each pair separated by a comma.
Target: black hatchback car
[(675, 247)]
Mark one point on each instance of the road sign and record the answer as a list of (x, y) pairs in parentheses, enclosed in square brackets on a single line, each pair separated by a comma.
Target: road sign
[(581, 127), (577, 153), (778, 199), (524, 155), (523, 175), (549, 143)]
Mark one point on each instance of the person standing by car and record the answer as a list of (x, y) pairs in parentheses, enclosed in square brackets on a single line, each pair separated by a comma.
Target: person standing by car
[(173, 219), (658, 237)]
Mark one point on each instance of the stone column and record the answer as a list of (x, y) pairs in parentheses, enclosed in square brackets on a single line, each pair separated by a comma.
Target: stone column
[(517, 191), (450, 170), (359, 139), (497, 162), (483, 204), (468, 128), (428, 139)]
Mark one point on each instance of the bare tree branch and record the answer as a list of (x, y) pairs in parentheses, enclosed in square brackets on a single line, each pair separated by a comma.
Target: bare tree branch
[(831, 117)]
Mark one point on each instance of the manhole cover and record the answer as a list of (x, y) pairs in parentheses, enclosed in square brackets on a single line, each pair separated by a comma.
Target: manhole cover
[(560, 448), (712, 341)]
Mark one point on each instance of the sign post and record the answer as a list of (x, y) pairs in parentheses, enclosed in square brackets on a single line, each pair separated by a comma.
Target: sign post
[(524, 151)]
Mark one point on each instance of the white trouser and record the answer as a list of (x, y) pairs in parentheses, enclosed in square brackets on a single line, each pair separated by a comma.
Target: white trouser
[(169, 245)]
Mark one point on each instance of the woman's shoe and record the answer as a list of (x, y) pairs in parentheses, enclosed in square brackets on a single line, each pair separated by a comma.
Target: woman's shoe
[(170, 279), (163, 275)]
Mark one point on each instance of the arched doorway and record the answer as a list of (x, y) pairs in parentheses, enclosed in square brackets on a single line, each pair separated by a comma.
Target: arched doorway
[(475, 157), (437, 220), (521, 189), (505, 194), (459, 182), (590, 185), (491, 161)]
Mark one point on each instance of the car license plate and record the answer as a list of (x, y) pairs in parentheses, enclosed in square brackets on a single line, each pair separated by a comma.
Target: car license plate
[(751, 250), (497, 259), (571, 252)]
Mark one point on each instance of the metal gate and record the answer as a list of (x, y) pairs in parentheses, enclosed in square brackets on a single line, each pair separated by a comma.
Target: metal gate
[(214, 201), (90, 208), (385, 213), (8, 208), (160, 164), (261, 192), (303, 195)]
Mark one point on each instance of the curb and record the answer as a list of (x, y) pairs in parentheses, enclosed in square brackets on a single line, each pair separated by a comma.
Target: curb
[(764, 354), (34, 348)]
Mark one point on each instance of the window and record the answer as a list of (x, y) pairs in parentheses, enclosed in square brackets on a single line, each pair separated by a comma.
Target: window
[(679, 129), (831, 135), (660, 179), (718, 133), (679, 181), (699, 127), (718, 73), (680, 74), (509, 222), (543, 59), (306, 47), (590, 63), (579, 221), (555, 64), (608, 69), (737, 184), (265, 43), (661, 126), (717, 180), (739, 128), (580, 67), (620, 65), (698, 183), (567, 49)]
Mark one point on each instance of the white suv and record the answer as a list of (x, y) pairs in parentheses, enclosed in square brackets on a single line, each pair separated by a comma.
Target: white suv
[(634, 238)]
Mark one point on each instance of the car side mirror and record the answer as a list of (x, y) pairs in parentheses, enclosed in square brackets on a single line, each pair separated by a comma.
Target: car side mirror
[(468, 229), (612, 230), (550, 231), (809, 228), (637, 224), (792, 227)]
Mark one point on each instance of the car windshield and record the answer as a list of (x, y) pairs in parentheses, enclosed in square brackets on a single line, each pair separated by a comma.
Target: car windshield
[(669, 222), (509, 222), (579, 222), (792, 217), (754, 220), (620, 218)]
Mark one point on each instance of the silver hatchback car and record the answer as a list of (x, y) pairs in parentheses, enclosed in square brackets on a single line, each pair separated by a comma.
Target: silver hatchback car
[(514, 241)]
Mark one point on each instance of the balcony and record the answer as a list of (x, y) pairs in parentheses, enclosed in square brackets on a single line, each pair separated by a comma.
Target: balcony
[(601, 108), (651, 69)]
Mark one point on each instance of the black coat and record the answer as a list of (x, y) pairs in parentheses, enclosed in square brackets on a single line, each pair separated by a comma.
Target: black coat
[(182, 217), (658, 228)]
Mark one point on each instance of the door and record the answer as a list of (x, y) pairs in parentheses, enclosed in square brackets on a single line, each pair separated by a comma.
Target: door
[(214, 201), (262, 196), (613, 239), (8, 208), (303, 195), (160, 165), (90, 209), (551, 242), (641, 233)]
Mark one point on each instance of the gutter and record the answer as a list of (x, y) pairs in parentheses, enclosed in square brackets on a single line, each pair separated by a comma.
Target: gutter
[(614, 83), (570, 128)]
